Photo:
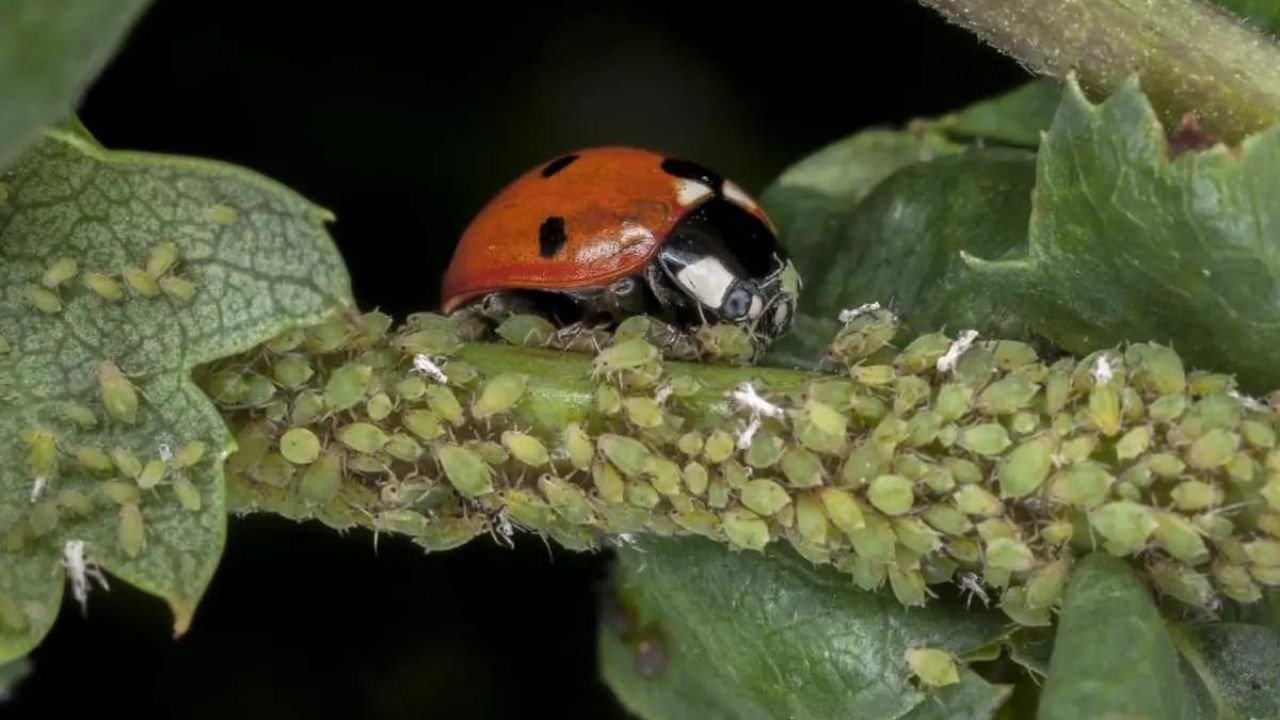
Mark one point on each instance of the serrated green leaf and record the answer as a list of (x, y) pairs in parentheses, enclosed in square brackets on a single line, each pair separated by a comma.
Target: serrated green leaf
[(49, 54), (1013, 118), (1119, 225), (1113, 655), (810, 646), (261, 263)]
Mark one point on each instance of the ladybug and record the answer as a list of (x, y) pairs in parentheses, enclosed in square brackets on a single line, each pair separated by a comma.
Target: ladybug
[(604, 233)]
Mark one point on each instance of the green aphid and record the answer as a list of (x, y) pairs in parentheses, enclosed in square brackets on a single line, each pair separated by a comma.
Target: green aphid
[(292, 372), (126, 462), (1167, 408), (1219, 412), (307, 408), (978, 501), (923, 353), (1057, 389), (188, 494), (863, 464), (996, 577), (499, 395), (141, 283), (1235, 582), (379, 407), (1243, 469), (1195, 495), (975, 366), (1258, 434), (1264, 552), (286, 341), (43, 299), (965, 472), (811, 519), (923, 428), (867, 407), (1213, 449), (404, 522), (274, 470), (993, 528), (863, 335), (567, 500), (151, 475), (327, 337), (362, 437), (875, 539), (802, 468), (664, 475), (608, 400), (43, 518), (718, 493), (889, 433), (820, 428), (764, 496), (953, 401), (908, 586), (526, 449), (178, 287), (162, 258), (642, 494), (131, 532), (1083, 484), (42, 452), (121, 493), (447, 533), (875, 376), (1182, 583), (1057, 532), (1011, 354), (631, 354), (891, 494), (643, 412), (1269, 523), (403, 448), (690, 443), (1268, 575), (765, 450), (718, 447), (1104, 409), (442, 402), (437, 340), (490, 452), (465, 470), (947, 519), (226, 387), (729, 344), (104, 286), (633, 328), (1133, 443), (528, 510), (347, 386), (322, 479), (1214, 526), (1125, 526), (1179, 537), (423, 423), (933, 667), (119, 396), (987, 439), (629, 455), (1164, 465), (1006, 395), (62, 270), (578, 446), (1127, 491), (1159, 369), (1009, 554), (1014, 604), (735, 474), (527, 330), (916, 536), (842, 508), (939, 479), (868, 574), (411, 387), (300, 446), (625, 518), (1026, 467), (259, 390), (685, 386), (608, 482), (1046, 583), (1132, 408), (745, 529), (222, 214), (909, 391), (75, 502), (1271, 493), (698, 522), (695, 478)]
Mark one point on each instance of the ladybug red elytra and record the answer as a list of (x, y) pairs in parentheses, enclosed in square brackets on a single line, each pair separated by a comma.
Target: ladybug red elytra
[(618, 231)]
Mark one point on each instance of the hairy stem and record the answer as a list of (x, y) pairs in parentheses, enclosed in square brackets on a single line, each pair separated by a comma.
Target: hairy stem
[(1190, 56)]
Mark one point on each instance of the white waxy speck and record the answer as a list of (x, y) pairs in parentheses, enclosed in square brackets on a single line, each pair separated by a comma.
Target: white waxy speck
[(80, 570), (1102, 371), (848, 315), (746, 396), (972, 587), (1249, 403), (426, 366), (749, 433), (662, 394), (166, 453), (689, 192), (37, 488), (959, 347)]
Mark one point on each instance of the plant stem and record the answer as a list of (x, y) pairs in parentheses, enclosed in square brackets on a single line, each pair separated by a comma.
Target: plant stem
[(1190, 57)]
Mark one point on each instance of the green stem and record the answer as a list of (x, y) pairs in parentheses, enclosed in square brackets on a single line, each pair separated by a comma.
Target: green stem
[(1190, 57)]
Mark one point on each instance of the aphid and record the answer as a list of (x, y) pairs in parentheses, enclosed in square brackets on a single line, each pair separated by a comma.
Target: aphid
[(119, 396), (189, 454), (465, 470), (222, 214), (151, 474), (162, 258), (43, 300), (933, 667), (60, 272), (362, 437), (322, 479), (891, 494), (131, 530), (745, 529), (187, 493), (141, 282), (300, 446)]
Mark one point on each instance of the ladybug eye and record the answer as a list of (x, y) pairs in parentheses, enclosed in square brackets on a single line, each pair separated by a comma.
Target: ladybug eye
[(738, 303)]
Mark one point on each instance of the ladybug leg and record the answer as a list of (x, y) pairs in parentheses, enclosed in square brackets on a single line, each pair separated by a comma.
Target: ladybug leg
[(670, 303)]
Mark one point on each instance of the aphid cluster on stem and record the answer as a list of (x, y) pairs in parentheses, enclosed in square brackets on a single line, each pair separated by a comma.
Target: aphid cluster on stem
[(955, 460)]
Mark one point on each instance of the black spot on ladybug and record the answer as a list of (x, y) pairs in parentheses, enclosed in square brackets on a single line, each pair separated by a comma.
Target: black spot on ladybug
[(689, 170), (557, 165), (551, 236)]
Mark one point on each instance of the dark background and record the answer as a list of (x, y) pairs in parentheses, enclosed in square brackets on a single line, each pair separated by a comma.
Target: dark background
[(404, 123)]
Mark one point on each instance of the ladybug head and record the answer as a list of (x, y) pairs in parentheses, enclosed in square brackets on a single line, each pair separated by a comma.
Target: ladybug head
[(729, 265)]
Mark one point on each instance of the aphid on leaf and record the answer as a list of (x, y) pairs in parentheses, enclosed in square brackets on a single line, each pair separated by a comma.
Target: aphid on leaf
[(131, 530), (177, 287), (119, 396), (59, 272), (43, 300), (104, 286), (162, 258)]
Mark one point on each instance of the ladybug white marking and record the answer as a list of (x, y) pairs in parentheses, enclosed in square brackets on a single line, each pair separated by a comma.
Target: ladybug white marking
[(689, 192), (738, 195), (707, 280)]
